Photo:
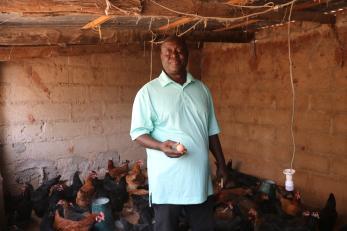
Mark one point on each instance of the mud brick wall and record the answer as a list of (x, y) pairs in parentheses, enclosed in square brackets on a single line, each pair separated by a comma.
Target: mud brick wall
[(63, 114), (253, 99)]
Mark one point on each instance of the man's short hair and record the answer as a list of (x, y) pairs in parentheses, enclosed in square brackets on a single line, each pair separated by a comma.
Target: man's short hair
[(178, 40)]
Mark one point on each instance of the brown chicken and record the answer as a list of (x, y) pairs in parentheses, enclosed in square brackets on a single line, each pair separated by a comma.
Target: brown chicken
[(225, 195), (117, 172), (70, 212), (135, 177), (224, 211), (62, 224), (291, 206), (86, 192)]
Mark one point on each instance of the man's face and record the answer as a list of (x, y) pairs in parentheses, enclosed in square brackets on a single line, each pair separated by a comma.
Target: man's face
[(174, 58)]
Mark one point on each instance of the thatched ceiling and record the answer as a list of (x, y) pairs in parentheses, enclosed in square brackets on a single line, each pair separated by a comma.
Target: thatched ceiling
[(60, 22)]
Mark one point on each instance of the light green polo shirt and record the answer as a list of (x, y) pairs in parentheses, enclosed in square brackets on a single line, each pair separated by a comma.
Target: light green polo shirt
[(184, 113)]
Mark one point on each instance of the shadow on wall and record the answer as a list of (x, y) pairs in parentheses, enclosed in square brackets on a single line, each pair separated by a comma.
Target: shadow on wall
[(2, 208)]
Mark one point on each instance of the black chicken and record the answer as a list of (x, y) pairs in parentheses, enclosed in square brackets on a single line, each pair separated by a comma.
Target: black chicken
[(40, 197), (116, 191), (19, 207), (328, 215), (71, 191), (242, 179)]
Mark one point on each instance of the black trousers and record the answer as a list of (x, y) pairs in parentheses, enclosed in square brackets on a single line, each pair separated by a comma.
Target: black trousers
[(199, 216)]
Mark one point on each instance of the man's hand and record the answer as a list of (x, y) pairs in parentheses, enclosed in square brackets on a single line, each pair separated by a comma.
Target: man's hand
[(169, 148), (223, 174)]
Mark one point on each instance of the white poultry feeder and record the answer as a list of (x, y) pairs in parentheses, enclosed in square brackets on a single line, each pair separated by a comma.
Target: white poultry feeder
[(289, 184)]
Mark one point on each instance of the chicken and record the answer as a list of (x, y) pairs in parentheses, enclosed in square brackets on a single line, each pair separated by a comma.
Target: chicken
[(71, 192), (291, 206), (57, 192), (235, 179), (40, 197), (311, 220), (70, 212), (226, 195), (141, 205), (86, 192), (116, 192), (135, 178), (328, 215), (224, 212), (117, 172), (241, 179), (62, 224), (19, 207)]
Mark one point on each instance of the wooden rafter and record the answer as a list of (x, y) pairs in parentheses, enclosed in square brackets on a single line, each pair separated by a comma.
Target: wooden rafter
[(237, 2), (97, 22), (64, 36), (70, 6), (25, 52), (177, 23), (282, 15), (309, 4), (238, 25)]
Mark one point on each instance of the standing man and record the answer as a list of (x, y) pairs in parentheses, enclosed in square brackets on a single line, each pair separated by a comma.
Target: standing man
[(176, 108)]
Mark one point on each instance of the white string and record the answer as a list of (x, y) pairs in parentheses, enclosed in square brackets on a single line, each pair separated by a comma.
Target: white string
[(292, 84), (108, 6), (9, 56), (151, 66), (120, 9), (271, 8), (267, 5), (191, 28), (154, 36)]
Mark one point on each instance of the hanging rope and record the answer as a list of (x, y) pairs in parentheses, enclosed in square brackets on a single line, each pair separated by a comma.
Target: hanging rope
[(292, 85)]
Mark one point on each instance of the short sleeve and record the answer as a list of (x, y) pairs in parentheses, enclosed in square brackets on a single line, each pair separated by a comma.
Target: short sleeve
[(213, 127), (142, 115)]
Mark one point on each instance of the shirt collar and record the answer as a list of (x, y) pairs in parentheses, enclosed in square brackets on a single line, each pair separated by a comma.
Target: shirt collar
[(164, 79)]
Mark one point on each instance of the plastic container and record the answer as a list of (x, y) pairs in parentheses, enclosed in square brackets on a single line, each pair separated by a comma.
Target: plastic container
[(269, 188), (102, 204), (289, 183)]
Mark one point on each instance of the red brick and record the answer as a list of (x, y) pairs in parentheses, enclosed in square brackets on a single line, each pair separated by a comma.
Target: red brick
[(104, 94), (127, 93), (312, 162), (118, 110), (89, 76), (340, 124), (69, 94), (26, 94), (339, 145), (339, 167), (264, 133), (232, 97), (283, 135), (322, 100), (321, 186), (261, 99), (87, 110), (318, 78), (14, 73), (340, 78), (225, 114), (315, 121), (339, 100), (235, 130), (284, 100)]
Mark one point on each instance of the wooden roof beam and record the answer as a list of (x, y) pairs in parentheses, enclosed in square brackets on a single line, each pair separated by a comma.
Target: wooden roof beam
[(238, 25), (97, 22), (282, 15), (177, 23), (129, 7), (64, 36)]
